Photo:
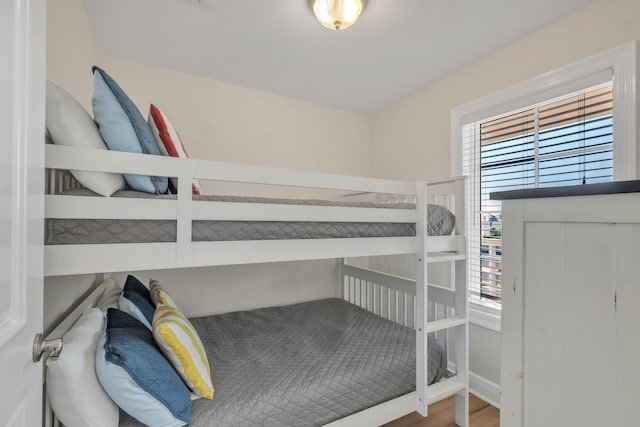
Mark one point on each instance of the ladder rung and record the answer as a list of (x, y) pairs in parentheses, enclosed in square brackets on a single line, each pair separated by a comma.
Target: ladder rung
[(445, 257), (445, 388), (447, 323)]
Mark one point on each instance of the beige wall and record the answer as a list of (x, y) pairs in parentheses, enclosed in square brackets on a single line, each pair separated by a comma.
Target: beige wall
[(411, 139), (60, 292), (71, 48), (210, 290), (220, 121), (215, 120)]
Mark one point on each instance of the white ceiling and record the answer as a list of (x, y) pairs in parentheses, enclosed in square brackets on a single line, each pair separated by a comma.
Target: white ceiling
[(277, 46)]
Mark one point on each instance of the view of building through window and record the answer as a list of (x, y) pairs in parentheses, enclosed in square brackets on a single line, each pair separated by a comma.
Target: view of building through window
[(568, 141)]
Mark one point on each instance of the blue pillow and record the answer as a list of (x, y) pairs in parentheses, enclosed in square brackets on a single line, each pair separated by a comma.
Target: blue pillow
[(136, 375), (136, 301), (124, 129)]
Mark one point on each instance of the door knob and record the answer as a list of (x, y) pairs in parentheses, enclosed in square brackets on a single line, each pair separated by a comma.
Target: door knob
[(51, 348)]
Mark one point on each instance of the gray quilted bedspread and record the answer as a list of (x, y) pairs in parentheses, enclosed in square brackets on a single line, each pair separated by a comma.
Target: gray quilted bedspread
[(99, 231), (304, 365)]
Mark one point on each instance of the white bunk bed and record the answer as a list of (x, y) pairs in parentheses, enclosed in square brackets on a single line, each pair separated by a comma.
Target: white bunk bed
[(398, 299)]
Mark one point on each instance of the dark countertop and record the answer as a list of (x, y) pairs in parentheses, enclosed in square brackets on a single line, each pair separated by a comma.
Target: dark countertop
[(572, 190)]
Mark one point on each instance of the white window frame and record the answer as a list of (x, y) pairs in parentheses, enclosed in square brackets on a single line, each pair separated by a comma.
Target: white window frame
[(621, 61)]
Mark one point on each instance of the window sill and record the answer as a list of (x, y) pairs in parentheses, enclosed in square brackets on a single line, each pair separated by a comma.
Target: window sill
[(486, 317)]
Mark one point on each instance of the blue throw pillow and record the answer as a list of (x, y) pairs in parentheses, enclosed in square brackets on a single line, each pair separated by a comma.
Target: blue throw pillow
[(136, 301), (124, 129), (136, 375)]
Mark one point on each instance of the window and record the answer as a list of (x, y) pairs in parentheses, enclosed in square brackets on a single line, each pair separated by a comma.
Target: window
[(573, 126), (567, 141)]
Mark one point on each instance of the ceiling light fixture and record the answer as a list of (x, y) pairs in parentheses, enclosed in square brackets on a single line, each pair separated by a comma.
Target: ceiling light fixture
[(337, 14)]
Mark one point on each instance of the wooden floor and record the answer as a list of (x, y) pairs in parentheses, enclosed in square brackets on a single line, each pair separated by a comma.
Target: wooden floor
[(442, 414)]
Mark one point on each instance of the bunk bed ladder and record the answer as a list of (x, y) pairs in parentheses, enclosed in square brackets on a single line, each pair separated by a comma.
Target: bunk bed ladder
[(457, 384)]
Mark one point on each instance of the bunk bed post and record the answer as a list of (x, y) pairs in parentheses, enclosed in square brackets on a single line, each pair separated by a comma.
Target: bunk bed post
[(460, 192), (340, 280), (421, 299), (459, 270), (184, 255), (462, 346)]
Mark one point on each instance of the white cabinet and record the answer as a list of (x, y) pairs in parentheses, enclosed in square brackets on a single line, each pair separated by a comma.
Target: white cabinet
[(571, 311)]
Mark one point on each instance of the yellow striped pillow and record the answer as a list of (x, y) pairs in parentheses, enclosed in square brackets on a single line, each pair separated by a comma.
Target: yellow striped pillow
[(159, 295), (180, 343)]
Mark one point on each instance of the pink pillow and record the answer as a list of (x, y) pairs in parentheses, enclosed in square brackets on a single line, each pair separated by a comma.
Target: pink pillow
[(168, 141)]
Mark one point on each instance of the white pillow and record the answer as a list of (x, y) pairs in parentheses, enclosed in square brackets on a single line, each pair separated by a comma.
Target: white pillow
[(70, 124), (76, 396), (110, 296)]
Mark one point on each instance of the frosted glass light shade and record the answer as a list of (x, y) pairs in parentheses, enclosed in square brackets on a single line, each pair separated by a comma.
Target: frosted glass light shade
[(337, 14)]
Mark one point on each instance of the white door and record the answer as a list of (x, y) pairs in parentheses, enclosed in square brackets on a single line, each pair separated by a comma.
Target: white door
[(22, 78)]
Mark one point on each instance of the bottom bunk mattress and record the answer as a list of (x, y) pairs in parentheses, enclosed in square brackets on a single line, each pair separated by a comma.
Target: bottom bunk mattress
[(304, 365)]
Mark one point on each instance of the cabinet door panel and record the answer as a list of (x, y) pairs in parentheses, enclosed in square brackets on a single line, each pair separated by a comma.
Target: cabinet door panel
[(569, 324), (543, 341), (628, 322)]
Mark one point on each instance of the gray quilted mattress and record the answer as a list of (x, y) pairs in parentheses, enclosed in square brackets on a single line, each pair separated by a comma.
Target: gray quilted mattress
[(304, 365), (100, 231)]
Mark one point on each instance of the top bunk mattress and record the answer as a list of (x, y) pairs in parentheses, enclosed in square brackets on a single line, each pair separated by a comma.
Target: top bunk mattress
[(71, 231), (305, 364)]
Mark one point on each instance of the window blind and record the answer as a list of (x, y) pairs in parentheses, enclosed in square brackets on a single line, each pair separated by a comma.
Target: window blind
[(576, 139), (471, 169), (565, 141)]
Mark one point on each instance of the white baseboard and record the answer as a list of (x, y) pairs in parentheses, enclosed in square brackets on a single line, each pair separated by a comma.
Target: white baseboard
[(480, 386), (484, 389)]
